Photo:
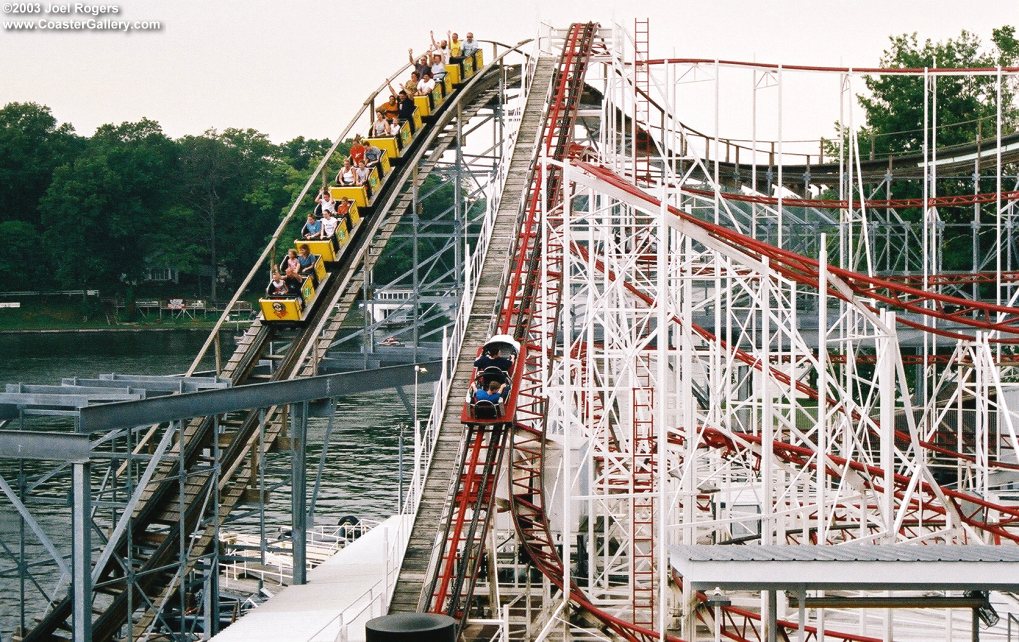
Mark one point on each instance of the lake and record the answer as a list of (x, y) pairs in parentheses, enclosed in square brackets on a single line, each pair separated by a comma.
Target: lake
[(359, 474)]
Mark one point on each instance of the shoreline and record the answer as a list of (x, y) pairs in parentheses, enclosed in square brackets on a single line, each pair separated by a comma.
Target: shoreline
[(104, 330)]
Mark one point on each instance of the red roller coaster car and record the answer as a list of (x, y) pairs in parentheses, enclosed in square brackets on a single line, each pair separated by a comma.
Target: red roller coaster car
[(499, 362)]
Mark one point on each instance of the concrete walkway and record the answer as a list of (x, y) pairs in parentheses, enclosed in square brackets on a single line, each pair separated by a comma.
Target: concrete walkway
[(342, 593)]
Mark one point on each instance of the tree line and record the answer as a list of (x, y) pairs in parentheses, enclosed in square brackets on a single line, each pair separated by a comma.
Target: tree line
[(97, 212)]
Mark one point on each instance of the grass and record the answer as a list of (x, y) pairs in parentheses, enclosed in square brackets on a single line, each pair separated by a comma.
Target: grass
[(41, 314)]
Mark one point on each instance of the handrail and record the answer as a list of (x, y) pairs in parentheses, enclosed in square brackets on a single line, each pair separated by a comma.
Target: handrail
[(893, 71), (384, 86), (379, 592), (474, 263), (400, 179), (214, 333)]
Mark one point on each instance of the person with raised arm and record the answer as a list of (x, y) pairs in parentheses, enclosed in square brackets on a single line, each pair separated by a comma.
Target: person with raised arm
[(421, 64), (442, 48), (324, 202)]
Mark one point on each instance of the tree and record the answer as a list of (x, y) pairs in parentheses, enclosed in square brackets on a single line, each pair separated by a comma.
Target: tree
[(966, 113), (21, 251), (966, 105), (32, 146), (101, 210), (238, 185), (109, 206), (207, 171), (304, 154)]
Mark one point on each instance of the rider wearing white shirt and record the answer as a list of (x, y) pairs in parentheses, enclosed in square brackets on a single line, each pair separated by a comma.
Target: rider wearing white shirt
[(426, 85), (329, 225), (470, 45)]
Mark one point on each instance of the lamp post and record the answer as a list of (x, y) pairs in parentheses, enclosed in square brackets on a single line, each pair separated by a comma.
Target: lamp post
[(716, 600), (417, 370), (399, 487)]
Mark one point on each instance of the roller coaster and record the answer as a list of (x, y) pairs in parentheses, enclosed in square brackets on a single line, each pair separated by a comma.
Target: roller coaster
[(717, 341), (734, 462)]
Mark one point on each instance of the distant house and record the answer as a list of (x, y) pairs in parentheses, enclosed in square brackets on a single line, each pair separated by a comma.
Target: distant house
[(162, 274)]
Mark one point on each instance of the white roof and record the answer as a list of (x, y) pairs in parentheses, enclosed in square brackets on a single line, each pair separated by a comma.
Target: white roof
[(507, 339), (848, 566)]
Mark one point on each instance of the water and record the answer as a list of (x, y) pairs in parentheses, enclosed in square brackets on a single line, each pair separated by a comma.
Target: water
[(359, 475)]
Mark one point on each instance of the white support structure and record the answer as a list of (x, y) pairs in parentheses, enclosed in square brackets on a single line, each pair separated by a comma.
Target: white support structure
[(704, 391)]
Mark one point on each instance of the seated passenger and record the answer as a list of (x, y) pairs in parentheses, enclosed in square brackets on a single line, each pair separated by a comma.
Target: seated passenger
[(313, 227), (306, 262), (494, 393), (357, 151), (278, 286), (343, 212), (455, 48), (328, 224), (442, 48), (427, 84), (343, 208), (346, 174), (411, 86), (291, 269), (470, 45), (324, 202), (438, 67), (492, 357), (381, 126), (407, 108), (372, 155), (421, 65), (361, 174), (390, 109)]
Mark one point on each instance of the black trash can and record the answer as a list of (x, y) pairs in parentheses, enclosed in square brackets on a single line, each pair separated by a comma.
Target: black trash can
[(416, 627)]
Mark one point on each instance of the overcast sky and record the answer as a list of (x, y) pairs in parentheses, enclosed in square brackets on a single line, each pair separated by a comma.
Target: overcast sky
[(301, 67)]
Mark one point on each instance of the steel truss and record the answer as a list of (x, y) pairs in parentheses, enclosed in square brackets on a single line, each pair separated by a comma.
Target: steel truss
[(151, 557), (735, 362)]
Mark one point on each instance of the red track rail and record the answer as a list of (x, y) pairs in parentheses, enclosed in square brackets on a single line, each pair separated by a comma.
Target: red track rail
[(467, 524), (533, 322), (935, 201), (535, 326), (781, 376), (891, 71), (741, 624), (980, 514), (987, 317)]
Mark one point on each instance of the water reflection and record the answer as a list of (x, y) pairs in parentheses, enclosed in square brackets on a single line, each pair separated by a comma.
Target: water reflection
[(359, 475)]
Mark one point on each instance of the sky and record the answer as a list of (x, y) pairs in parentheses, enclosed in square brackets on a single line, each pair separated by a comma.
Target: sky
[(302, 67)]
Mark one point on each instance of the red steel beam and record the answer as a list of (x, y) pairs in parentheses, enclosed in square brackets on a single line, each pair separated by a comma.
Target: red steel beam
[(990, 317), (935, 201)]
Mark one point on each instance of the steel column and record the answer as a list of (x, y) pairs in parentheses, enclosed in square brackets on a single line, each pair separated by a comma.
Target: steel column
[(299, 490), (81, 553)]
